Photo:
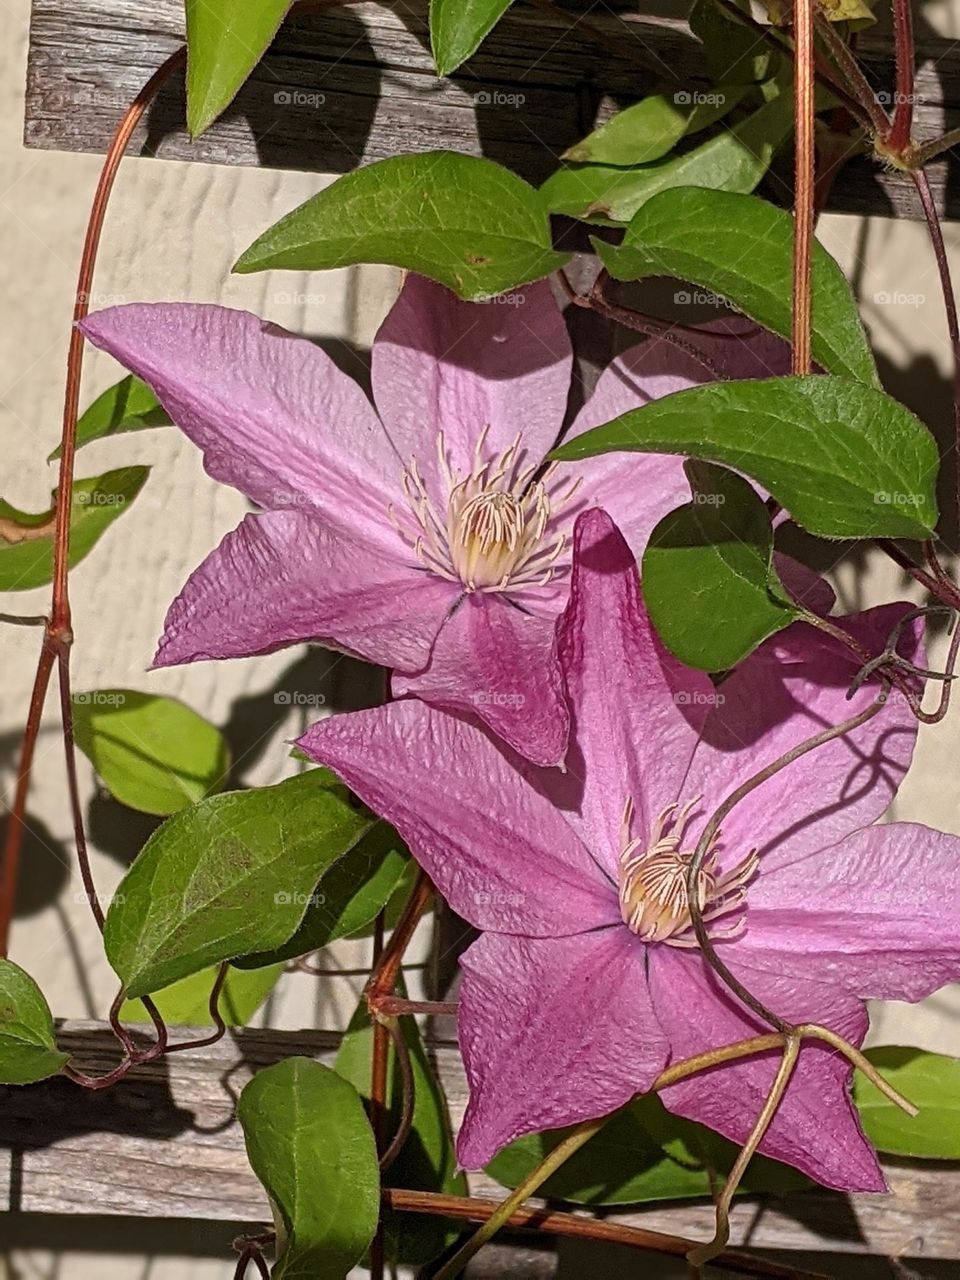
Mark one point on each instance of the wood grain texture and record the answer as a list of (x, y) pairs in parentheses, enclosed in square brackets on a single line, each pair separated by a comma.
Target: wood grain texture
[(165, 1144), (355, 84)]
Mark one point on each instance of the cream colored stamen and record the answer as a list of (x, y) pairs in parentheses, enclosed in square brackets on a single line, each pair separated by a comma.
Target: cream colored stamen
[(653, 881), (493, 534)]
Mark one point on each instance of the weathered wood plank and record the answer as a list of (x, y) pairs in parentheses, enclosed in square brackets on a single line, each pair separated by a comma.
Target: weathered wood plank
[(355, 84), (164, 1143)]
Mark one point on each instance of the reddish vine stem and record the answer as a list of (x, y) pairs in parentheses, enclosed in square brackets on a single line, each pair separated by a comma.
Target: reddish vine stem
[(378, 1098), (859, 86), (922, 184), (902, 129), (804, 186), (474, 1209), (58, 635)]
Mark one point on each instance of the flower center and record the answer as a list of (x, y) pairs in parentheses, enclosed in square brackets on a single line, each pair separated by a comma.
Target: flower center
[(653, 881), (493, 533)]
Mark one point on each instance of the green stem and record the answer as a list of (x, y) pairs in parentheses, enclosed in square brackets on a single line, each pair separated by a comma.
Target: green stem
[(533, 1181)]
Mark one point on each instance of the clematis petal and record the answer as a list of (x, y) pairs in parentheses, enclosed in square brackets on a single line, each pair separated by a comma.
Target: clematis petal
[(272, 413), (793, 687), (637, 712), (636, 489), (815, 1128), (877, 915), (440, 364), (553, 1031), (499, 663), (284, 577), (497, 850)]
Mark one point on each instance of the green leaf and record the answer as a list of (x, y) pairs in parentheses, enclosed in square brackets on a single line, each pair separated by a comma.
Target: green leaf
[(468, 223), (225, 41), (844, 459), (231, 875), (741, 247), (310, 1144), (187, 1002), (28, 1049), (458, 26), (932, 1083), (734, 160), (129, 405), (153, 753), (649, 129), (26, 540), (708, 576), (642, 1153), (427, 1161), (732, 51), (349, 895)]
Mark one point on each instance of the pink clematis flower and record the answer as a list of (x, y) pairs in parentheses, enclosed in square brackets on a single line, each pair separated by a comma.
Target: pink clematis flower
[(425, 534), (587, 980)]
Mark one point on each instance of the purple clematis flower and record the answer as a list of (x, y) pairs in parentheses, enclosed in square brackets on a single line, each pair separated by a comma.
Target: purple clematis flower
[(425, 534), (587, 979)]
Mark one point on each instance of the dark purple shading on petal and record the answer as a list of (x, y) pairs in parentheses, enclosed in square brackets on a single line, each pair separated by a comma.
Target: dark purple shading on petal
[(637, 711), (499, 663)]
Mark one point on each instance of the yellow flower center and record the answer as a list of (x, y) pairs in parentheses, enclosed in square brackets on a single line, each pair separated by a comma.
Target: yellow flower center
[(653, 881), (493, 533)]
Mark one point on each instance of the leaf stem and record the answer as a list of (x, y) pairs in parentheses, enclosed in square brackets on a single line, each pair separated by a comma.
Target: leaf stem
[(902, 128), (704, 1252), (574, 1140), (804, 187)]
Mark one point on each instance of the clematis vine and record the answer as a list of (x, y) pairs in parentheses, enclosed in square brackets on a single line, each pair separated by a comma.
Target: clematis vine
[(587, 979), (426, 534)]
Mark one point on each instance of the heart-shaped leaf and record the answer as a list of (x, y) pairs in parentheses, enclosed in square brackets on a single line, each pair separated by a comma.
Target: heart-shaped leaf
[(466, 222), (652, 127), (844, 459), (427, 1161), (28, 1049), (187, 1002), (734, 160), (932, 1083), (741, 248), (129, 405), (708, 576), (310, 1144), (225, 41), (349, 895), (642, 1153), (231, 875), (154, 754), (26, 540), (458, 26)]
